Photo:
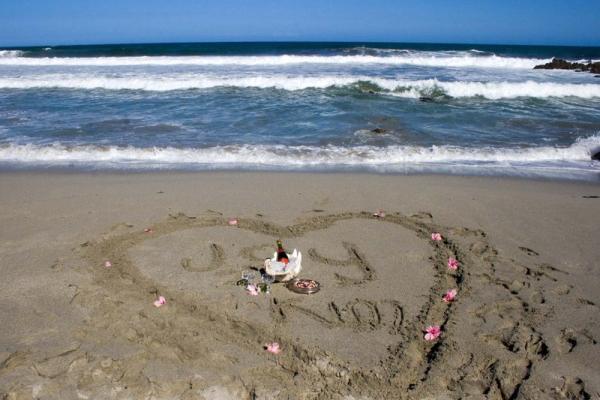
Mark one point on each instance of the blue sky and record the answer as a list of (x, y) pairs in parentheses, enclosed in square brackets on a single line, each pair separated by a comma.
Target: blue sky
[(52, 22)]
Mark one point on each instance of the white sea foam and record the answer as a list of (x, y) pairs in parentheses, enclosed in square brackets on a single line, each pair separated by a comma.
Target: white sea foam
[(10, 54), (395, 87), (300, 156), (586, 60), (175, 82), (429, 59), (499, 90)]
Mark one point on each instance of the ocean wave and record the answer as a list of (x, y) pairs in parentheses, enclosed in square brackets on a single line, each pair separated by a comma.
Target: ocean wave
[(9, 54), (394, 87), (497, 90), (300, 156), (363, 50), (429, 59), (586, 60)]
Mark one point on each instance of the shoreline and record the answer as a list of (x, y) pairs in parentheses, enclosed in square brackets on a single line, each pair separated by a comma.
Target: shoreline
[(57, 171), (524, 324)]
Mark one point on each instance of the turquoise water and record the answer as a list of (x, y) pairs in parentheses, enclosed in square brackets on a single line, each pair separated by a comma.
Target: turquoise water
[(404, 108)]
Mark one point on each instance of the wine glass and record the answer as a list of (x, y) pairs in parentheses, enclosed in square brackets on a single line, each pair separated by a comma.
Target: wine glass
[(267, 280), (248, 275)]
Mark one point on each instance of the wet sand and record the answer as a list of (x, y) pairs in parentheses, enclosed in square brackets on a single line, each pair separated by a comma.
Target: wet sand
[(524, 325)]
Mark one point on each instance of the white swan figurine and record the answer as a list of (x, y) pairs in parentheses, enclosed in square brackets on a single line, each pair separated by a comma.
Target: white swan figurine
[(284, 272)]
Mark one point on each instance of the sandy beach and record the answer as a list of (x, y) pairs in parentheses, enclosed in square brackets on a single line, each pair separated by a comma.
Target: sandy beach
[(524, 323)]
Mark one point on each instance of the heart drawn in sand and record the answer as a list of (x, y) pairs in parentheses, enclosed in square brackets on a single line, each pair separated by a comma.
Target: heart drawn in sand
[(379, 275), (384, 322)]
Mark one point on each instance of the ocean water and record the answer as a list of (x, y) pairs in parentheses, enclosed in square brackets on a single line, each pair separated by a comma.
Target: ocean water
[(388, 108)]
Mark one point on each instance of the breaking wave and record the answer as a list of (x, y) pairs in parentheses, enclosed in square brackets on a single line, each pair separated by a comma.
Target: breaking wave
[(300, 156), (428, 59), (9, 54), (394, 87)]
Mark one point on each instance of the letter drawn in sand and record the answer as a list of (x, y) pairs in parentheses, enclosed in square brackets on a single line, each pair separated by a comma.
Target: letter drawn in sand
[(250, 252), (217, 260), (358, 314), (355, 257)]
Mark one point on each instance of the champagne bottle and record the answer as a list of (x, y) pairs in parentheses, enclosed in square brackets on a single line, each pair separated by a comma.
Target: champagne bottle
[(281, 254)]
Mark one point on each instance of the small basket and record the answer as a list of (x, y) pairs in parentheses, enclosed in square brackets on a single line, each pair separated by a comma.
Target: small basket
[(284, 272)]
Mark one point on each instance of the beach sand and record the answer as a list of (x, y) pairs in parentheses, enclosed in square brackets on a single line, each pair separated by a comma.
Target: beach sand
[(524, 325)]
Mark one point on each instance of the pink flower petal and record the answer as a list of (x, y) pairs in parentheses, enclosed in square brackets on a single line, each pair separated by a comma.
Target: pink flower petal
[(160, 302), (436, 237), (453, 264), (432, 333), (232, 221), (107, 264), (450, 295), (252, 290), (273, 348), (379, 214)]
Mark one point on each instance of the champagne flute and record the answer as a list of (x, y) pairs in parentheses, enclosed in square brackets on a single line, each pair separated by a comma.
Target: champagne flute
[(248, 275), (267, 280)]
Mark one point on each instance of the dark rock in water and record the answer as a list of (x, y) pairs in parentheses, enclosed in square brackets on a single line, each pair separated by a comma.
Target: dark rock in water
[(426, 99), (596, 155), (379, 130), (557, 63)]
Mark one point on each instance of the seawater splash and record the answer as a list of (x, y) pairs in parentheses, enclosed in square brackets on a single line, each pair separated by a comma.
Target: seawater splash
[(395, 87)]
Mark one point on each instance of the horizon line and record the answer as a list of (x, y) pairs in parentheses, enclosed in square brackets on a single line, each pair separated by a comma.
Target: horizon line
[(5, 47)]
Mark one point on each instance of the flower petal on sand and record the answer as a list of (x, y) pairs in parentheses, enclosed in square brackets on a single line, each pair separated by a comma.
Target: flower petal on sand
[(379, 213), (453, 264), (273, 348), (450, 295), (252, 290), (436, 237), (432, 333), (160, 302)]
